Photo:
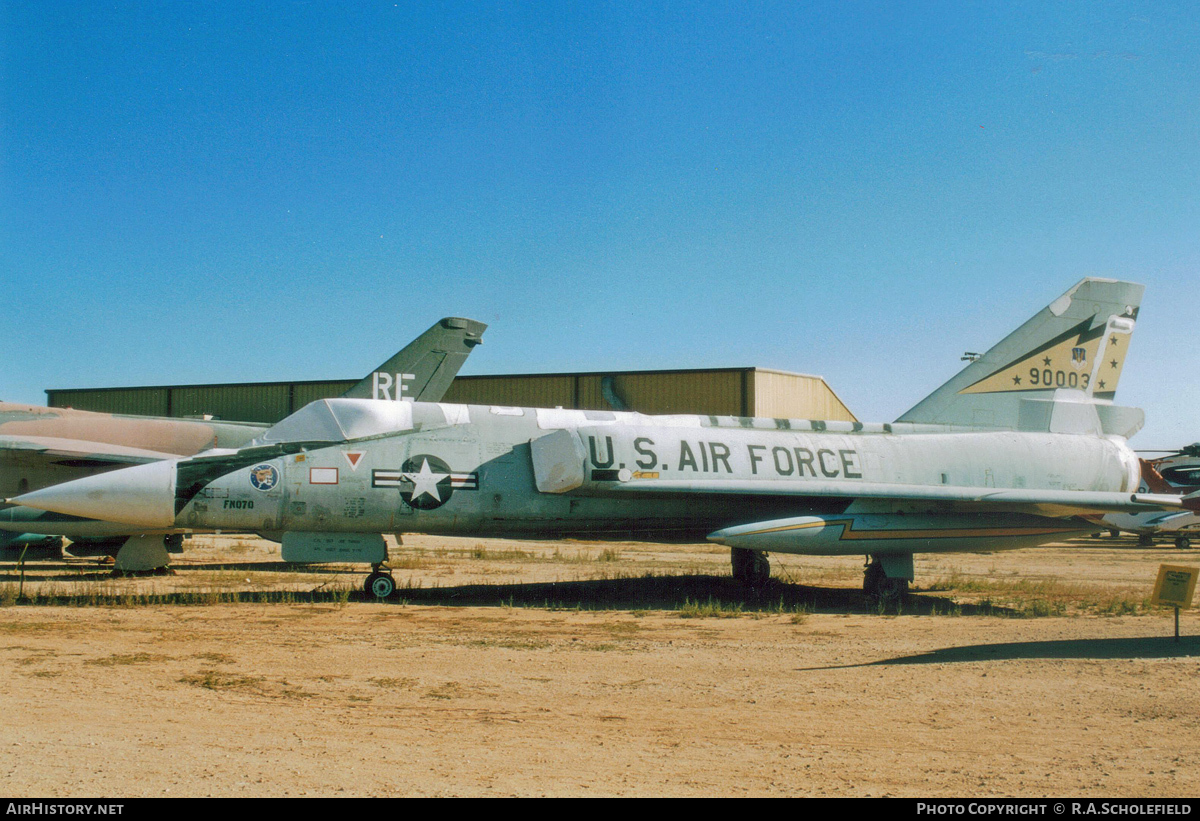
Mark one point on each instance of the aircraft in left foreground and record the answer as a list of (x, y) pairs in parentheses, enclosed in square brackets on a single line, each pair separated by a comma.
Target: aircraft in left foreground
[(41, 447)]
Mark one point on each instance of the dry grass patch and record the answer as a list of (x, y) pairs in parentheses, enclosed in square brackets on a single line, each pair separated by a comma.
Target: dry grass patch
[(1040, 597), (219, 680), (393, 683), (124, 659), (711, 609)]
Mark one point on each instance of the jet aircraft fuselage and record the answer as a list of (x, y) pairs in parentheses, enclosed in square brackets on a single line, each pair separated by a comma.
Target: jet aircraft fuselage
[(562, 473)]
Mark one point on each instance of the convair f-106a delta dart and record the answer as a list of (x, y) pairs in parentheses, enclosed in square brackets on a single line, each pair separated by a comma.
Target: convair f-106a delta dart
[(1024, 446)]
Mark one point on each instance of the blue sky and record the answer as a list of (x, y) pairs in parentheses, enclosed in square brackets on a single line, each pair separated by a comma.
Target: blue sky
[(219, 192)]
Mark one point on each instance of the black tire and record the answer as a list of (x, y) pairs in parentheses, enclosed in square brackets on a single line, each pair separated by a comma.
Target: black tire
[(380, 585), (750, 566), (878, 586), (873, 579), (893, 590), (1183, 542)]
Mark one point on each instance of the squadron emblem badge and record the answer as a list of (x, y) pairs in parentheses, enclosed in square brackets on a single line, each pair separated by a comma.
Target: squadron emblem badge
[(264, 477)]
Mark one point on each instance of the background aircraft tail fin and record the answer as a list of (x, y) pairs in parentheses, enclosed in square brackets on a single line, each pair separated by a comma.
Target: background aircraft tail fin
[(1065, 362), (424, 369)]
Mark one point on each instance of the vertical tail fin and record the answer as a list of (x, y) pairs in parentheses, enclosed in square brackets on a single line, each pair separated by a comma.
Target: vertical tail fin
[(1072, 351), (424, 369)]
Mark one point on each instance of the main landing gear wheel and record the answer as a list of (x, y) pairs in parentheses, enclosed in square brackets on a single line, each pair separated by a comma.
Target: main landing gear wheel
[(1145, 540), (750, 566), (380, 584), (1183, 542), (877, 585)]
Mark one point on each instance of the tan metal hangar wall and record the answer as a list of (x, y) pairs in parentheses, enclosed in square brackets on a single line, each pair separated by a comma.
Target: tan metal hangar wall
[(717, 392), (778, 393)]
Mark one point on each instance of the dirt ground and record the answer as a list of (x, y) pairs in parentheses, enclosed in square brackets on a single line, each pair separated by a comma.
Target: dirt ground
[(507, 668)]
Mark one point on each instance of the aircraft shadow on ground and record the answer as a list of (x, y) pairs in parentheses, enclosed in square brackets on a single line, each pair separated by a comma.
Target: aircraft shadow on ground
[(1153, 647), (638, 593), (674, 592)]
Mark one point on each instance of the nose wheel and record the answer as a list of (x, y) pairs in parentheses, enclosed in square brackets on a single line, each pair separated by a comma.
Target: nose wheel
[(380, 583)]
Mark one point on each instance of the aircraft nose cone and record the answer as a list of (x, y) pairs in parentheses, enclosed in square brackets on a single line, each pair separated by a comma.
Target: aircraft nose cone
[(143, 495)]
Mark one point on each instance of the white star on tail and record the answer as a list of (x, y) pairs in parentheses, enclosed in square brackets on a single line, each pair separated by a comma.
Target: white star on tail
[(426, 481)]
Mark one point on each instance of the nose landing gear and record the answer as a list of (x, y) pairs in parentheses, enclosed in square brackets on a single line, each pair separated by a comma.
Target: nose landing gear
[(380, 583)]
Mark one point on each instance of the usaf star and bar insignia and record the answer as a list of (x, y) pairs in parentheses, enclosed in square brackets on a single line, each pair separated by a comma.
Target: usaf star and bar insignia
[(425, 482)]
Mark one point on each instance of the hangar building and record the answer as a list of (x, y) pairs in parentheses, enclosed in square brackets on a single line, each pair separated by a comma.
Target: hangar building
[(717, 392)]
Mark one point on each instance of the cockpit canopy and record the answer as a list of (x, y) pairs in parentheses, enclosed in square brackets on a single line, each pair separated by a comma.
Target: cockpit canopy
[(339, 420)]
